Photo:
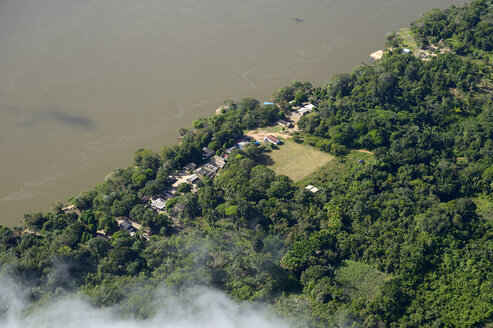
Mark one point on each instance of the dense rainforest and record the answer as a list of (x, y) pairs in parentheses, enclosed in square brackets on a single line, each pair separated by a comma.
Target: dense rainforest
[(401, 238)]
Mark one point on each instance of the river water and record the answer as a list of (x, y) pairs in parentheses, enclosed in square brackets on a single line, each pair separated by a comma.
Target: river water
[(83, 84)]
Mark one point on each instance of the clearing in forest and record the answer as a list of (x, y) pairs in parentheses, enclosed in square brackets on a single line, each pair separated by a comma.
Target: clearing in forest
[(336, 168), (484, 207), (297, 160), (406, 39), (359, 279)]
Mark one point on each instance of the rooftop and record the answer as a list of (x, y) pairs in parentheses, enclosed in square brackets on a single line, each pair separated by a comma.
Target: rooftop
[(311, 188), (189, 167), (243, 144), (158, 203), (285, 123), (229, 150), (304, 110), (192, 178), (272, 139), (203, 172), (217, 161), (127, 225), (207, 153), (210, 167)]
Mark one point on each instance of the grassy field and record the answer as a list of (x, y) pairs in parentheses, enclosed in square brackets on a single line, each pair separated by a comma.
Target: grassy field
[(271, 129), (334, 168), (359, 279), (484, 207), (406, 39), (297, 160)]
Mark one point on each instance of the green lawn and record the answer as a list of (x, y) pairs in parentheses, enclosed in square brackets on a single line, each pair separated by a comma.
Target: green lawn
[(297, 160)]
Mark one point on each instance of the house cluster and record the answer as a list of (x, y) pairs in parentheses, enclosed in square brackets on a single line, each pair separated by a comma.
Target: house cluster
[(191, 173), (132, 227), (239, 144), (210, 168), (304, 110)]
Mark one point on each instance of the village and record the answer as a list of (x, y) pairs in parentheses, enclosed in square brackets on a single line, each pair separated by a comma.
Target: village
[(209, 167), (212, 163)]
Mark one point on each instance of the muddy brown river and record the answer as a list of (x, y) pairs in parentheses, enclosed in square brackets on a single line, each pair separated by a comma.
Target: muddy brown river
[(85, 83)]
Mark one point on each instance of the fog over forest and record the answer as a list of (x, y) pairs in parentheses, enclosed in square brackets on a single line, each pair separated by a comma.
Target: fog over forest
[(195, 307)]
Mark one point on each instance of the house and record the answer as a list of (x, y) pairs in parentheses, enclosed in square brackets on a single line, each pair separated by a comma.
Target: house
[(158, 204), (273, 140), (222, 109), (303, 111), (203, 172), (295, 115), (229, 150), (217, 161), (69, 208), (207, 153), (210, 167), (285, 123), (311, 188), (431, 48), (190, 167), (200, 172), (168, 195), (243, 144), (126, 225), (193, 178), (406, 51)]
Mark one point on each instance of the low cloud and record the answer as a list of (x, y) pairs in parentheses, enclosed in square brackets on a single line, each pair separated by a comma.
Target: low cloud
[(195, 307)]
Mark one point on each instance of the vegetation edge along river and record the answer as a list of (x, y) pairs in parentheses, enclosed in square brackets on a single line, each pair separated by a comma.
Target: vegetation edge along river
[(390, 225)]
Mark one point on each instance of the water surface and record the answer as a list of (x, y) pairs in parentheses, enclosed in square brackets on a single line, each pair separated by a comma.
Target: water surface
[(83, 84)]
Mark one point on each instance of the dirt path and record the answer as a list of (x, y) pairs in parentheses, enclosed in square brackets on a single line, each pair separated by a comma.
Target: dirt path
[(363, 151), (260, 135)]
